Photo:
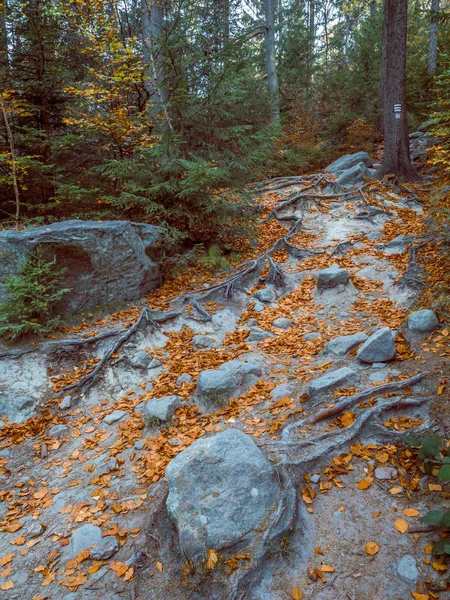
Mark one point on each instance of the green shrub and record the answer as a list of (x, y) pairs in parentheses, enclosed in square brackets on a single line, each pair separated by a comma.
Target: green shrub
[(32, 296), (214, 260), (435, 454)]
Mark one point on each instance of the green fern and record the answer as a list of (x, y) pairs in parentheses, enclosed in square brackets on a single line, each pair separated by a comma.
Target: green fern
[(214, 260)]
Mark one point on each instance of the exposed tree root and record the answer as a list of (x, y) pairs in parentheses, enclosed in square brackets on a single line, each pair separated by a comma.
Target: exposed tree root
[(350, 401), (292, 453)]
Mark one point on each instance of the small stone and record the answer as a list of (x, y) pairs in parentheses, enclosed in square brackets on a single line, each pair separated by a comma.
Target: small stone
[(202, 342), (311, 336), (266, 295), (374, 236), (423, 321), (252, 323), (115, 416), (58, 431), (140, 360), (282, 323), (407, 569), (379, 347), (385, 473), (105, 548), (258, 335), (84, 538), (331, 277), (162, 409), (259, 307), (34, 530), (184, 378), (139, 445), (174, 441), (315, 478), (155, 363), (66, 402)]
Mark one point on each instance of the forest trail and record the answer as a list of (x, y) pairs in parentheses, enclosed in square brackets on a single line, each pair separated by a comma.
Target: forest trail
[(93, 458)]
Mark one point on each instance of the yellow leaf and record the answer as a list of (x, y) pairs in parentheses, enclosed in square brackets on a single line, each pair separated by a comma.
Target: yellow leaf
[(327, 569), (435, 487), (411, 512), (318, 550), (8, 585), (428, 549), (439, 566), (6, 559), (418, 596), (49, 579), (211, 559), (401, 525), (129, 574), (297, 594), (365, 483), (372, 548), (159, 566)]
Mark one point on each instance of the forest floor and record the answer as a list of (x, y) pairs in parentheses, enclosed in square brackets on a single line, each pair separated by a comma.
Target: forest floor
[(353, 528)]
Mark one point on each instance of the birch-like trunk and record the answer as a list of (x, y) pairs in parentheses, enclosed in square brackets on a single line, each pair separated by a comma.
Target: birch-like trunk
[(433, 40), (271, 65)]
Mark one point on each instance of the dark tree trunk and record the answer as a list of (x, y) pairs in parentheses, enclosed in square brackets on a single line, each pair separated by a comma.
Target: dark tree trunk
[(397, 159), (271, 64)]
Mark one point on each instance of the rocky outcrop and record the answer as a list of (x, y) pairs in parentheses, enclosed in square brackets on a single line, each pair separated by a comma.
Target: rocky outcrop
[(222, 489), (343, 163), (341, 378), (106, 262)]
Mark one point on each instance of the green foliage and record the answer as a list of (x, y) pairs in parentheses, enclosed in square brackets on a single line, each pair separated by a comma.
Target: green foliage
[(435, 454), (214, 260), (32, 296)]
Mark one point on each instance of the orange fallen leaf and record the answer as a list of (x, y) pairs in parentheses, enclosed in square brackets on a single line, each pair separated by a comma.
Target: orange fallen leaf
[(211, 559), (326, 569), (437, 566), (401, 525), (159, 566), (18, 541), (411, 512), (364, 484), (49, 579), (297, 594), (5, 560), (418, 596), (8, 585), (372, 548), (435, 487), (318, 550)]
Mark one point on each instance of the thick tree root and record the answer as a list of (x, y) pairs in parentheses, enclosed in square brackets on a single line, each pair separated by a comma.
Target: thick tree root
[(350, 402), (293, 453)]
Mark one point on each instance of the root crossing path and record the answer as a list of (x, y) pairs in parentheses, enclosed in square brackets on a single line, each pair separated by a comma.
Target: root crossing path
[(83, 452)]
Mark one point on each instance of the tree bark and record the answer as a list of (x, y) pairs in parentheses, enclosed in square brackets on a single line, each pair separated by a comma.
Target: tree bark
[(12, 151), (433, 40), (396, 159), (311, 39), (271, 65), (373, 10), (152, 15)]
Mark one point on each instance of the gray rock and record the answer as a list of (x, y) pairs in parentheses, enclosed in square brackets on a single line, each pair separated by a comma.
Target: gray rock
[(155, 363), (17, 408), (315, 478), (353, 175), (222, 489), (331, 381), (66, 403), (58, 431), (202, 342), (265, 295), (162, 408), (258, 335), (423, 321), (345, 343), (184, 378), (259, 307), (282, 323), (379, 347), (385, 473), (407, 569), (216, 386), (252, 323), (396, 246), (139, 445), (416, 134), (107, 262), (34, 530), (331, 277), (314, 335), (140, 360), (115, 416), (348, 161), (374, 236), (105, 548), (84, 538)]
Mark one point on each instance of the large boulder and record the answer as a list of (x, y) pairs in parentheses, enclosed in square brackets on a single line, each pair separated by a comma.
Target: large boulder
[(348, 161), (106, 262), (215, 387), (331, 277), (345, 343), (423, 321), (222, 490), (379, 348), (162, 409), (353, 175)]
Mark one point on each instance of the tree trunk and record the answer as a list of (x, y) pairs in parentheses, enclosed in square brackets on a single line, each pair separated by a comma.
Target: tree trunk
[(4, 56), (397, 159), (152, 29), (271, 65), (311, 40), (12, 151), (373, 10), (433, 41)]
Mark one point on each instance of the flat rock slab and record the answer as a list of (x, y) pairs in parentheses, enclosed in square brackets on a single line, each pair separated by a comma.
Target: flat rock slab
[(348, 161), (221, 490), (345, 343), (379, 347), (265, 295), (106, 262), (334, 380), (162, 409)]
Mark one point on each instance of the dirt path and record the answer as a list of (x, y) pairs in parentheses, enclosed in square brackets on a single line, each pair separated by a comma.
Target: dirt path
[(87, 463)]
